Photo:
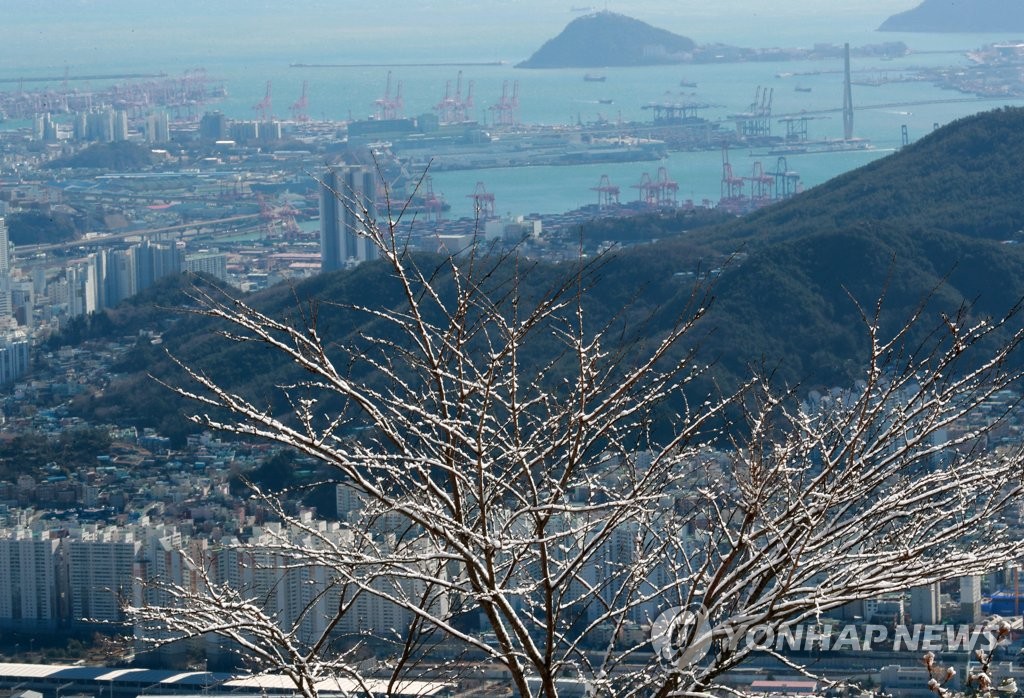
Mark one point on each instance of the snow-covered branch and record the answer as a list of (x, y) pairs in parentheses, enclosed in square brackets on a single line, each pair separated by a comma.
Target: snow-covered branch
[(516, 509)]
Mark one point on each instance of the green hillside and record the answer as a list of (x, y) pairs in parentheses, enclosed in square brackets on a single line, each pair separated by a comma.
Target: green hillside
[(121, 155), (964, 178), (938, 219), (945, 213)]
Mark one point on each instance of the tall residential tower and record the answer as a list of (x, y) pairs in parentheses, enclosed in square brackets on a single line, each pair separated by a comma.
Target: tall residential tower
[(347, 206), (6, 309)]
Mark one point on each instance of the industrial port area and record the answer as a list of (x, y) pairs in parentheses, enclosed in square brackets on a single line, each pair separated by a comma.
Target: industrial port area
[(241, 198), (246, 193)]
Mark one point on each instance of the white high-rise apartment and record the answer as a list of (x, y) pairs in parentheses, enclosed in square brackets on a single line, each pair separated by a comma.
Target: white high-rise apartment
[(6, 311), (101, 572), (925, 604), (970, 598), (28, 578)]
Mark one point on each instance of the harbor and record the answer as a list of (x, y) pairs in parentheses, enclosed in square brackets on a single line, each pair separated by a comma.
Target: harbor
[(540, 141)]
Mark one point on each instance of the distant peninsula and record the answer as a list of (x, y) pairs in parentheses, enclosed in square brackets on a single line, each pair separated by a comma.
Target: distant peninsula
[(959, 16), (606, 39), (611, 40)]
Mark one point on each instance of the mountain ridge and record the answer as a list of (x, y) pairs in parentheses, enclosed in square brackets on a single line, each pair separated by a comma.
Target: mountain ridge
[(943, 16)]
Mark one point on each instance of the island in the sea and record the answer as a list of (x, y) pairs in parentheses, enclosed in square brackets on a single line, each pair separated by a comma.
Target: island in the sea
[(608, 39), (958, 17)]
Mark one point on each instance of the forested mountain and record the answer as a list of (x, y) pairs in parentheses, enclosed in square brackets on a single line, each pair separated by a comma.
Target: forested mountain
[(939, 219), (963, 178), (609, 39), (119, 155), (945, 213), (945, 16)]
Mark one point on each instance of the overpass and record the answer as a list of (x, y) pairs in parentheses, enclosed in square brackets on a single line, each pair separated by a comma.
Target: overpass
[(24, 251), (896, 105)]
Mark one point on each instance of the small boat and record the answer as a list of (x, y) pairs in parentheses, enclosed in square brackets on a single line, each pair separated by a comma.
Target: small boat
[(605, 101), (594, 77), (798, 88), (687, 83)]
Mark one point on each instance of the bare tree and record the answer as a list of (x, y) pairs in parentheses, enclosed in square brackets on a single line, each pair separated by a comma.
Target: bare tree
[(532, 498), (980, 679)]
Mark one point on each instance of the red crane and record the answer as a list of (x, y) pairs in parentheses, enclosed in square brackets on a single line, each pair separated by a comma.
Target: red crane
[(301, 106), (506, 110), (607, 193), (483, 202), (465, 105), (389, 107), (732, 186), (453, 109), (648, 190), (279, 220), (445, 107), (265, 106), (659, 192), (667, 189)]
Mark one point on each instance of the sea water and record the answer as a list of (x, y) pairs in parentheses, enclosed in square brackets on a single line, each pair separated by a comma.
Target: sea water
[(248, 45)]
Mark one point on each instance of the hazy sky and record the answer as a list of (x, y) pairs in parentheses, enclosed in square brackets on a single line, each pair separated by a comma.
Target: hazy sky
[(76, 31)]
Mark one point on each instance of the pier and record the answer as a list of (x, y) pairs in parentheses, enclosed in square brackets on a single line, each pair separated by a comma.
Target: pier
[(478, 64), (81, 78)]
